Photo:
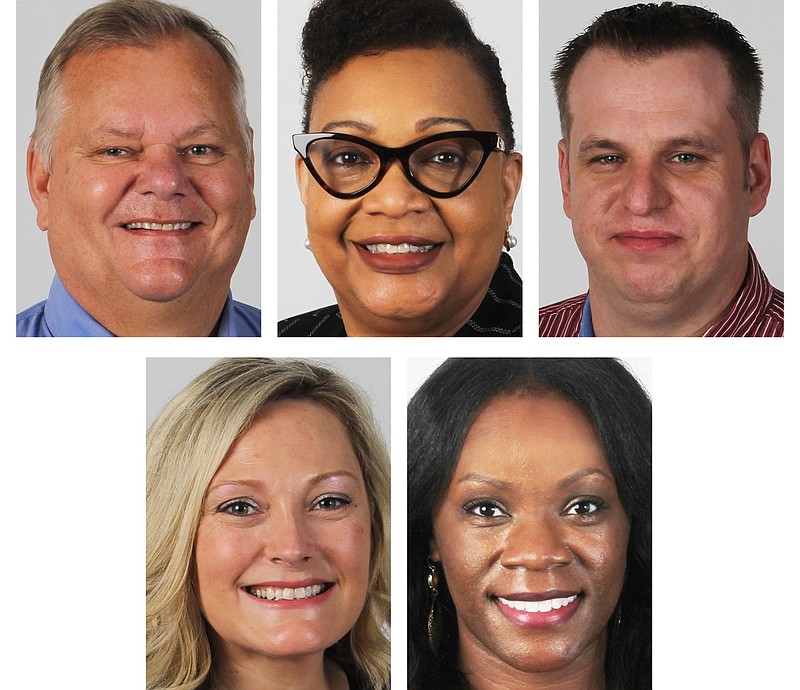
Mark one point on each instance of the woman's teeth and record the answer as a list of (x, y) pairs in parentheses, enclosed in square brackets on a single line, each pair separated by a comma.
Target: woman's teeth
[(287, 593), (404, 248), (158, 226), (538, 606)]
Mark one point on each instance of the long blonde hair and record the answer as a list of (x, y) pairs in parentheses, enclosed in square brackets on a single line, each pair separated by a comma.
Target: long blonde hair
[(186, 444)]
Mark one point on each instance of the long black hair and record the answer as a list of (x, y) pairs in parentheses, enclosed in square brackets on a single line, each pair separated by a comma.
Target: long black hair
[(439, 416)]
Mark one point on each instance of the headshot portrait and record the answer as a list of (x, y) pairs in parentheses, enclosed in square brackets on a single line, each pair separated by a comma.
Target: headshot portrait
[(529, 526), (268, 496), (661, 177), (400, 168), (135, 129)]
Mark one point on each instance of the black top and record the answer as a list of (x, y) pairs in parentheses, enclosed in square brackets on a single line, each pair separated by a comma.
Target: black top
[(499, 314)]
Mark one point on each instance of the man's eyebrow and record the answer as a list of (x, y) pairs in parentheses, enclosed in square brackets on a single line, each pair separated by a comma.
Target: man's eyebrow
[(203, 129), (591, 145), (694, 142), (198, 130)]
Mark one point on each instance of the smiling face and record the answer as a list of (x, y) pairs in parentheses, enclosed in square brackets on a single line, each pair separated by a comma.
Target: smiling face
[(656, 183), (283, 547), (532, 538), (393, 99), (150, 136)]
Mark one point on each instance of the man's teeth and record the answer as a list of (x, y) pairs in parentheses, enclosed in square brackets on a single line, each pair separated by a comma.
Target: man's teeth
[(538, 606), (158, 226), (281, 593), (404, 248)]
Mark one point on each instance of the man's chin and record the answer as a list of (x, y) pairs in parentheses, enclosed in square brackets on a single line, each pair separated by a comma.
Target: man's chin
[(160, 288)]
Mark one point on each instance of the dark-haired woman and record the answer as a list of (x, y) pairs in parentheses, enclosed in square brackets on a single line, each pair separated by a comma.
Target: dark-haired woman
[(407, 170), (529, 494)]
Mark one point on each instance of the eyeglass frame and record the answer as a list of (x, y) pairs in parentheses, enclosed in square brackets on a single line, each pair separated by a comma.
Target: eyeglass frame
[(491, 141)]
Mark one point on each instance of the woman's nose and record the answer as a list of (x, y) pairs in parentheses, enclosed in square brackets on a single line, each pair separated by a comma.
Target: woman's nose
[(394, 195), (286, 539), (535, 544)]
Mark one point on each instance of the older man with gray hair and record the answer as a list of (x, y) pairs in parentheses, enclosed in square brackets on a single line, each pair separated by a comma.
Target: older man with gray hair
[(141, 169)]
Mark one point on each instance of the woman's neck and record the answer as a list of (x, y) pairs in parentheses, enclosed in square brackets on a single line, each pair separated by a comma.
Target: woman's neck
[(257, 672)]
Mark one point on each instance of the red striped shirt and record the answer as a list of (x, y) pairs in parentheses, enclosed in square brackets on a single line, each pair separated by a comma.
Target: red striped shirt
[(757, 312)]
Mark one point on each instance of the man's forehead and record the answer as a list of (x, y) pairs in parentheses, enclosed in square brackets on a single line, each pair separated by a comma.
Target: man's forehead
[(674, 64), (186, 52)]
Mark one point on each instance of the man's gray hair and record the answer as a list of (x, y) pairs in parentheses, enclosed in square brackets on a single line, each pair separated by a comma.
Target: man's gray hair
[(141, 23)]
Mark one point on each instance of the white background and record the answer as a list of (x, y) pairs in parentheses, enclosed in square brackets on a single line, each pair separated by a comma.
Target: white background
[(726, 465)]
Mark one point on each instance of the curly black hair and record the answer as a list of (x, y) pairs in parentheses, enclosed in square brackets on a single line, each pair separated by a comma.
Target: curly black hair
[(337, 30)]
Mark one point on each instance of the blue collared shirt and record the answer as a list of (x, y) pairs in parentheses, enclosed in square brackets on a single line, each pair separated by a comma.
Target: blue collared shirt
[(587, 330), (61, 316)]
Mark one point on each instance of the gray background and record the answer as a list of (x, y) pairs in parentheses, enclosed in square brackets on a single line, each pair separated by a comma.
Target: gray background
[(301, 285), (39, 25), (562, 271), (167, 376)]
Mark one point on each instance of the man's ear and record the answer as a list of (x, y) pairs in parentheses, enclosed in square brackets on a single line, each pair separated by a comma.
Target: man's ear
[(251, 175), (563, 173), (759, 173), (38, 185)]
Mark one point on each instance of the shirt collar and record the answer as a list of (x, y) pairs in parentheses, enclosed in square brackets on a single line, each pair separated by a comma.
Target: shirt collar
[(587, 331), (65, 317)]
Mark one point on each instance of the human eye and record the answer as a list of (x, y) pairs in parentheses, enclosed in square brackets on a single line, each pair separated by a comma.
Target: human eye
[(331, 502), (485, 508), (685, 158), (347, 158), (585, 507), (446, 158), (609, 159), (239, 507), (201, 153)]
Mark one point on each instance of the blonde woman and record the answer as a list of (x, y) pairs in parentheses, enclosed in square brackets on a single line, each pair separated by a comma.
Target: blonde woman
[(267, 533)]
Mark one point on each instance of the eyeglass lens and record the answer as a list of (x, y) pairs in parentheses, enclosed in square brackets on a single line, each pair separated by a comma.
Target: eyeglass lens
[(442, 166)]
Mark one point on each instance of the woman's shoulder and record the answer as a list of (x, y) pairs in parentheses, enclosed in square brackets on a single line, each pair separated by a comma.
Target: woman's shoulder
[(325, 321)]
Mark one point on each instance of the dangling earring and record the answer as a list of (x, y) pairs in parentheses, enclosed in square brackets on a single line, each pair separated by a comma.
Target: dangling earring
[(307, 244), (510, 241), (434, 624)]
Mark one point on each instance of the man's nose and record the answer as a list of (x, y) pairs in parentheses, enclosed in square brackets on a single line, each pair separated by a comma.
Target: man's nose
[(535, 543), (162, 171), (644, 190), (394, 195)]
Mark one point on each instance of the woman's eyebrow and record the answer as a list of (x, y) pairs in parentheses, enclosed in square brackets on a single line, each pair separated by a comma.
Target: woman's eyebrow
[(476, 478), (360, 125), (581, 474), (429, 122)]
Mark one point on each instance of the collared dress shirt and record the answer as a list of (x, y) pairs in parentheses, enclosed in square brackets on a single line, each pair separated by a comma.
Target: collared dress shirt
[(499, 314), (756, 312), (60, 315)]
